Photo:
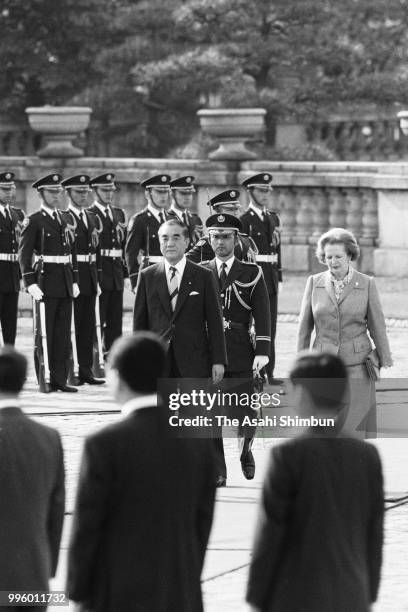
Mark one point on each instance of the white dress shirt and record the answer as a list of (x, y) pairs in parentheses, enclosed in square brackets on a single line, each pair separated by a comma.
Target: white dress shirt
[(257, 210), (103, 210), (156, 211), (179, 267), (227, 263), (50, 211), (76, 212)]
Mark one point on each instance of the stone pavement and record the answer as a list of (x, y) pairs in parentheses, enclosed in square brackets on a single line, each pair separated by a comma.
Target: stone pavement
[(229, 549)]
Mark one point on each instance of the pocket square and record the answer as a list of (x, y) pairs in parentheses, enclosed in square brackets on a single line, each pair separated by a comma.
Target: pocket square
[(193, 293)]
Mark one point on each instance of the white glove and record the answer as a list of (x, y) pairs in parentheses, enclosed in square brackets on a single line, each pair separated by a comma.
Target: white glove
[(128, 284), (98, 290), (75, 290), (260, 362), (36, 292)]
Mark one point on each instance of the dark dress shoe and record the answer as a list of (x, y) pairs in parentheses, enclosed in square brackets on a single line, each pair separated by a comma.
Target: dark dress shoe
[(248, 465), (65, 388), (275, 381), (90, 380), (221, 481)]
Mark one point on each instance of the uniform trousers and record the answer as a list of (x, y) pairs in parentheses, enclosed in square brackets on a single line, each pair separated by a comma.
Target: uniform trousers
[(84, 313), (58, 313), (8, 316), (273, 304), (245, 433), (111, 312)]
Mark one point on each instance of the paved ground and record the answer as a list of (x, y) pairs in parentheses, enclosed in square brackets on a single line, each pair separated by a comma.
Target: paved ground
[(227, 559)]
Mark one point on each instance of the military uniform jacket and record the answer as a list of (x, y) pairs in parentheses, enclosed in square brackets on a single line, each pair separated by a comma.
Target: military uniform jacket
[(142, 239), (245, 250), (40, 230), (266, 236), (244, 297), (112, 236), (9, 239), (194, 226), (87, 243)]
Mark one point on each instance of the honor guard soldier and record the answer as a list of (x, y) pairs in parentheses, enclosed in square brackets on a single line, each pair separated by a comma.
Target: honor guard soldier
[(11, 220), (244, 298), (182, 190), (143, 237), (113, 275), (263, 226), (86, 229), (48, 266), (225, 202)]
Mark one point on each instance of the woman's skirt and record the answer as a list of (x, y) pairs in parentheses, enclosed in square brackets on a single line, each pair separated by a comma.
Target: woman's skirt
[(360, 415)]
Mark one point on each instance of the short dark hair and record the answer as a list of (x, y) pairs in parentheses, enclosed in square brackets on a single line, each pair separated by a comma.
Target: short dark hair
[(324, 376), (139, 360), (338, 235), (13, 370), (173, 221)]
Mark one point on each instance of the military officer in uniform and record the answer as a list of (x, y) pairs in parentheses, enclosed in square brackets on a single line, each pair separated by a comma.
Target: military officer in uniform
[(225, 202), (86, 227), (11, 220), (263, 226), (48, 266), (182, 190), (113, 275), (143, 236), (244, 298)]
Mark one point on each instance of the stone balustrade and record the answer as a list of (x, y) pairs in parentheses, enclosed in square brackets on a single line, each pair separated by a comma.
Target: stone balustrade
[(370, 199)]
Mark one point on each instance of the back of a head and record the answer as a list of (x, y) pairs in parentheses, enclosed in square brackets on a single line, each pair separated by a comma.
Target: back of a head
[(13, 370), (139, 360), (324, 376)]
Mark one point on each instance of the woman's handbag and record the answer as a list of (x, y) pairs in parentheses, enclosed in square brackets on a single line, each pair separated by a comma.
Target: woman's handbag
[(373, 365)]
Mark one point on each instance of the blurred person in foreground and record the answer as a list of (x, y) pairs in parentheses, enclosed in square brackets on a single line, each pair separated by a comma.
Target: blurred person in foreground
[(343, 307), (318, 543), (145, 499), (32, 493)]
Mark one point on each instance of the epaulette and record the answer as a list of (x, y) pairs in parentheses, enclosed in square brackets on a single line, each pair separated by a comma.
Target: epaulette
[(203, 263), (37, 213), (250, 263), (204, 240), (139, 213)]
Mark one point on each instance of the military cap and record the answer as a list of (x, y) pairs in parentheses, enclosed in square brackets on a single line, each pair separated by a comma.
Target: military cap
[(51, 180), (231, 196), (184, 183), (223, 222), (264, 179), (103, 180), (6, 179), (160, 180), (79, 180)]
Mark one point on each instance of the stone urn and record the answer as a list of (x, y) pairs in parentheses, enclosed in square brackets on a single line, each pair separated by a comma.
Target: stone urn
[(232, 127), (59, 126)]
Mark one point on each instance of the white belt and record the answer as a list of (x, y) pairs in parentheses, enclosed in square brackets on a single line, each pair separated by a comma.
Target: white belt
[(152, 258), (87, 258), (267, 258), (8, 257), (58, 259), (111, 252)]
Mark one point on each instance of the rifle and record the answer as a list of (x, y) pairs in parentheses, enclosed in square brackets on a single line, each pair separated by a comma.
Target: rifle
[(99, 365), (74, 374), (44, 376)]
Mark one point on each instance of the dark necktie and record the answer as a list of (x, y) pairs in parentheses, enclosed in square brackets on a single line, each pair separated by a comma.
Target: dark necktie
[(185, 218), (223, 275), (55, 217), (161, 218), (81, 218), (173, 287), (7, 215)]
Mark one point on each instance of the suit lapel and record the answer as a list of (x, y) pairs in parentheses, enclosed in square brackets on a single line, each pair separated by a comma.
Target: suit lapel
[(233, 273), (184, 288), (348, 289), (162, 288), (329, 288)]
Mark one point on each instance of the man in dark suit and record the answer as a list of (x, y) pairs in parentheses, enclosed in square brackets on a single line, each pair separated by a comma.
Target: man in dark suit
[(142, 245), (145, 499), (182, 191), (263, 226), (86, 227), (48, 266), (244, 299), (114, 275), (11, 219), (318, 543), (178, 300), (32, 489)]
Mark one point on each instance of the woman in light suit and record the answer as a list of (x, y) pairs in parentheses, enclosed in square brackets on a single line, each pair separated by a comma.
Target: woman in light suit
[(343, 308)]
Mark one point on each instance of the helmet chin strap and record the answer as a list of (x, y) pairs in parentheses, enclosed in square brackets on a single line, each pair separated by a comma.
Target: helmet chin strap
[(101, 200), (255, 201)]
